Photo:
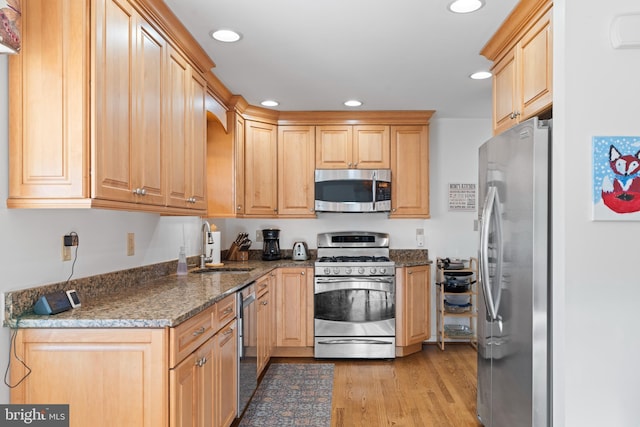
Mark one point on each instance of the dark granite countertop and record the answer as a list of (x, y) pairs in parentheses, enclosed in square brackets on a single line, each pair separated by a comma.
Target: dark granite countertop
[(136, 299)]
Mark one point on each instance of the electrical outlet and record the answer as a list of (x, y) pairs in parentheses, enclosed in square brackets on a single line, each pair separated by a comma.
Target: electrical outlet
[(258, 235), (420, 237), (66, 250), (131, 244)]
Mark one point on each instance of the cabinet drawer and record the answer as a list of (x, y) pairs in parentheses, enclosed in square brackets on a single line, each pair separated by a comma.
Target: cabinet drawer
[(189, 335), (225, 311)]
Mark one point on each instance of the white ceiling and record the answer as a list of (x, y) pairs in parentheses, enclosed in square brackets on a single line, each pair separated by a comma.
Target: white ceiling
[(316, 54)]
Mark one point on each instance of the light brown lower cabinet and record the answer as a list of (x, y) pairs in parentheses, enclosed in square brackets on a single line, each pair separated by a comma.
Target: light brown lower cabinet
[(266, 319), (173, 377), (108, 377), (413, 313), (294, 312)]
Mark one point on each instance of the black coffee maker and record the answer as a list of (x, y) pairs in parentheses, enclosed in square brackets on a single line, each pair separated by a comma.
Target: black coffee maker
[(271, 245)]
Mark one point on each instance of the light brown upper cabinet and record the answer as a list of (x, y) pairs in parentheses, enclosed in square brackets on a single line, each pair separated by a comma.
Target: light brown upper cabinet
[(296, 154), (522, 70), (89, 109), (260, 167), (409, 171), (186, 134), (352, 147)]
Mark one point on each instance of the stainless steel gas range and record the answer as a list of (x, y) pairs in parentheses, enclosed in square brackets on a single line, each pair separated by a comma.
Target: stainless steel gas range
[(354, 296)]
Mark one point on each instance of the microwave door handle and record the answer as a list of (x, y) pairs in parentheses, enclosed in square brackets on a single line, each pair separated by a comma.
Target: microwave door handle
[(373, 190)]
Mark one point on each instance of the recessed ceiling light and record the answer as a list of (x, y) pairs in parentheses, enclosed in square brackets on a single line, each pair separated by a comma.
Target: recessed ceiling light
[(227, 36), (269, 103), (465, 6), (480, 75), (352, 103)]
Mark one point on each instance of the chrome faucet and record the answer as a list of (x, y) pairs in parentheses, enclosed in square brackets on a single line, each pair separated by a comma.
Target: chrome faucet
[(207, 239)]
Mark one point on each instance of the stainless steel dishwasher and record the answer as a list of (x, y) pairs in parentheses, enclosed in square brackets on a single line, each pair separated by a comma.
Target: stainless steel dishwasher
[(247, 347)]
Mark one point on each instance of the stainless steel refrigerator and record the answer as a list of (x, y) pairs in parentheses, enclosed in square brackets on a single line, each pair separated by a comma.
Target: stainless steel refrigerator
[(514, 294)]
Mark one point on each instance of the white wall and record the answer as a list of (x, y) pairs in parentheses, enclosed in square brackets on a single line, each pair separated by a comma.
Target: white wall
[(596, 286)]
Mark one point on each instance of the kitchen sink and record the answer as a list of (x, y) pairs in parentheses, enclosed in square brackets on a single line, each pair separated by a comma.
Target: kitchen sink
[(222, 270)]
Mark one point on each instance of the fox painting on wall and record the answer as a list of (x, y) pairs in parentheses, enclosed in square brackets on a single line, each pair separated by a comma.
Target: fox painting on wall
[(616, 178)]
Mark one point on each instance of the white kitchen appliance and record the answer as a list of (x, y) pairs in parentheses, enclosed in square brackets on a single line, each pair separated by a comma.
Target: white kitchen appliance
[(514, 371), (300, 251)]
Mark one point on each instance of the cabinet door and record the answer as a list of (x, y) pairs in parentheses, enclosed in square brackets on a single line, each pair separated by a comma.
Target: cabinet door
[(371, 147), (239, 146), (114, 69), (505, 92), (418, 303), (334, 147), (196, 155), (261, 195), (183, 397), (226, 378), (148, 149), (264, 321), (109, 377), (49, 138), (291, 307), (536, 68), (410, 172), (296, 154), (177, 129)]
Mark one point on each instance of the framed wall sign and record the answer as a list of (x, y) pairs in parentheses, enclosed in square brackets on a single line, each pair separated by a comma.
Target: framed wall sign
[(462, 197)]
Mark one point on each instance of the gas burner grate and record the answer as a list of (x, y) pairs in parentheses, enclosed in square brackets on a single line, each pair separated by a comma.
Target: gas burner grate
[(354, 258)]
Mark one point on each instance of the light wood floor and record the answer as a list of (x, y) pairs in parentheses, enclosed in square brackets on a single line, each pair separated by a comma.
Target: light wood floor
[(431, 388)]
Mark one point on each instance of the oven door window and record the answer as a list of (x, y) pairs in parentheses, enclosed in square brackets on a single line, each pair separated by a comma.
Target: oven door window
[(357, 302)]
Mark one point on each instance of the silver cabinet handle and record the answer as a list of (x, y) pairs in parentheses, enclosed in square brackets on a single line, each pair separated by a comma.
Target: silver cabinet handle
[(228, 332), (227, 310), (199, 331)]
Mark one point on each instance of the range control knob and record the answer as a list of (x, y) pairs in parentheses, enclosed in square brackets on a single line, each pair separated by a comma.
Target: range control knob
[(360, 270), (383, 270), (348, 270), (336, 270), (327, 270), (373, 270)]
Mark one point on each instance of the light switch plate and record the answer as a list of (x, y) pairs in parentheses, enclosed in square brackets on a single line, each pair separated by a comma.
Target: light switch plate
[(420, 237)]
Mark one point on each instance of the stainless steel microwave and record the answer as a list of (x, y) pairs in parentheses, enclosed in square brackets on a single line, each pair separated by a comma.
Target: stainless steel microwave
[(353, 190)]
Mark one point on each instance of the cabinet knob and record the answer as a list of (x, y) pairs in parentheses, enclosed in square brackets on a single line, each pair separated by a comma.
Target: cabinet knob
[(239, 208), (302, 273), (264, 302)]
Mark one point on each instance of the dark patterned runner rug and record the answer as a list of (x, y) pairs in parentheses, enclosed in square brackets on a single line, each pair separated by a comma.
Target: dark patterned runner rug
[(292, 394)]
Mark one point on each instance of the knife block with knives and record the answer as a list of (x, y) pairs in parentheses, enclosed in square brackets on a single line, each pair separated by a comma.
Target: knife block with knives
[(239, 250)]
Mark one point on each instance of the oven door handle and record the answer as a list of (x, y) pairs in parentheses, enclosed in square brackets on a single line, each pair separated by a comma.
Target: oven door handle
[(335, 284), (353, 341), (354, 279)]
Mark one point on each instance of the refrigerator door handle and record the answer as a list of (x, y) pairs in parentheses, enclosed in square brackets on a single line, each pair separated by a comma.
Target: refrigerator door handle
[(491, 210)]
